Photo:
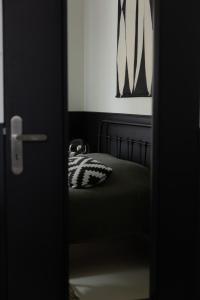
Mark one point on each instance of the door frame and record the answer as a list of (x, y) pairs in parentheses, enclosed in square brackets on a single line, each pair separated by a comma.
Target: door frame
[(175, 140), (3, 257), (155, 157)]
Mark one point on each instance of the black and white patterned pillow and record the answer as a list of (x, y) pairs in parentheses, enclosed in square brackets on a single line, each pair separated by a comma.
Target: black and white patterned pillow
[(86, 172)]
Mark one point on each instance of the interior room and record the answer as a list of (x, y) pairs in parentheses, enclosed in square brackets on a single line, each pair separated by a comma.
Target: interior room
[(99, 150), (110, 73)]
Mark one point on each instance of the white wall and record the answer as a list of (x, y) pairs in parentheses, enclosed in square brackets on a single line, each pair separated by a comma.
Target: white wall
[(98, 44), (75, 55)]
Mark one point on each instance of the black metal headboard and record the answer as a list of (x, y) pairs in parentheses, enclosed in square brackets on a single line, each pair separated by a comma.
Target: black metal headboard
[(130, 141)]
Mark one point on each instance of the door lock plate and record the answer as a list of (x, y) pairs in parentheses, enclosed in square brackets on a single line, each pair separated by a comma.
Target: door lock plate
[(17, 140)]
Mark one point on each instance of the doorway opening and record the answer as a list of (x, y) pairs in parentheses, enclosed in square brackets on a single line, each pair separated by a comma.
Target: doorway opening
[(109, 149)]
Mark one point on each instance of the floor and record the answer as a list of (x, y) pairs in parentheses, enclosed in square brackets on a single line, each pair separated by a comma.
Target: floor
[(109, 272)]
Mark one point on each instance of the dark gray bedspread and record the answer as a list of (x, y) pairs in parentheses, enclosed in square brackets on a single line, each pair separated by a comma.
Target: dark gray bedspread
[(117, 207)]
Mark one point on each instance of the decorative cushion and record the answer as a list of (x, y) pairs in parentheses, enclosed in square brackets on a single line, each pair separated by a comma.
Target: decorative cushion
[(86, 172), (72, 294)]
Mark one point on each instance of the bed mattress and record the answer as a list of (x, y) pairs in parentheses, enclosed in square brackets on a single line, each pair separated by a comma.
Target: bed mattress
[(118, 207)]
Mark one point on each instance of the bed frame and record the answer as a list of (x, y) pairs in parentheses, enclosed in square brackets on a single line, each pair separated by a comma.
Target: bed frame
[(124, 140)]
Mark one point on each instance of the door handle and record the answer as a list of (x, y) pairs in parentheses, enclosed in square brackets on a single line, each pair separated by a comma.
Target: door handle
[(17, 140), (31, 137)]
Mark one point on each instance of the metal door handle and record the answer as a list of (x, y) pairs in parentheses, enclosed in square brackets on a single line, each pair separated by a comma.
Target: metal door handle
[(32, 137), (17, 140)]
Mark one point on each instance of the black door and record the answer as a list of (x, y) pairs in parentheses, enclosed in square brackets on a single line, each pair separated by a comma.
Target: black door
[(34, 96)]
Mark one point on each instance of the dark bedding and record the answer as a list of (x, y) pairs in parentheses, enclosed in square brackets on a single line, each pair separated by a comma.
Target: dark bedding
[(118, 207)]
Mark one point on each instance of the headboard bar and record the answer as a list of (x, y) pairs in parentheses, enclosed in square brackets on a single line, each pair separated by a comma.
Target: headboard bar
[(136, 149), (125, 123)]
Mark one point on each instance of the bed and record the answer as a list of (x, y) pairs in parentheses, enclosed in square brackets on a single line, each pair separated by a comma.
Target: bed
[(120, 206)]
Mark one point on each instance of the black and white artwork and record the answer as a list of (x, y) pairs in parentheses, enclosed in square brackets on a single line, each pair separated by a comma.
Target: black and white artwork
[(134, 49)]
